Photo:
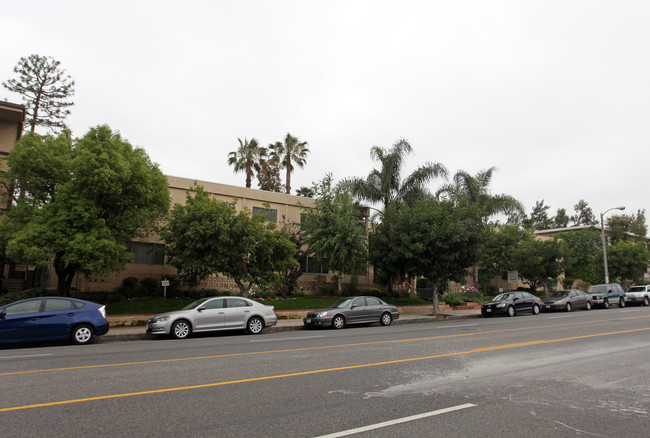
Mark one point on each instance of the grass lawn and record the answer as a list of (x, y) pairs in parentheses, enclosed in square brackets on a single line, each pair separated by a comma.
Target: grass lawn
[(155, 306)]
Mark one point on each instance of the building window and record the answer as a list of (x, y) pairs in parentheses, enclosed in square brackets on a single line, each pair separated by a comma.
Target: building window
[(270, 214), (148, 253), (308, 265)]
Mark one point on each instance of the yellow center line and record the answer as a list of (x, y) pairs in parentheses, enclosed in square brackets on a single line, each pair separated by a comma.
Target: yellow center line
[(305, 373), (290, 350)]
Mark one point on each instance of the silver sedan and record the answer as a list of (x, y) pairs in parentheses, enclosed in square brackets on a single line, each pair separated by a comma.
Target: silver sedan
[(213, 314)]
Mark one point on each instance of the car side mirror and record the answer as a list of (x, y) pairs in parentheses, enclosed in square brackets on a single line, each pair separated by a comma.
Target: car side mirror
[(3, 314), (515, 299), (354, 306), (201, 309)]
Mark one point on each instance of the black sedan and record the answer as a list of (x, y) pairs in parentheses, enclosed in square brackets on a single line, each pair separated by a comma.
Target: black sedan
[(568, 300), (352, 310), (511, 303)]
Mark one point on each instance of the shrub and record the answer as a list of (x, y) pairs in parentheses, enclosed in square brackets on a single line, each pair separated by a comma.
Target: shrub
[(22, 295), (150, 287), (453, 300)]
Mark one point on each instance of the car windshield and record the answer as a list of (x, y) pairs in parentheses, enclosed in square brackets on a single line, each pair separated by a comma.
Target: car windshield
[(195, 304), (340, 304), (560, 294), (503, 297), (636, 289)]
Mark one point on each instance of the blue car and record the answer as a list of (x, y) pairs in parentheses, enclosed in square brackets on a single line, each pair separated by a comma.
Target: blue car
[(52, 318)]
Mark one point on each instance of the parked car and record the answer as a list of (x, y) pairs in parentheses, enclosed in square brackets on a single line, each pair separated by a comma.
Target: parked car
[(511, 303), (52, 318), (606, 294), (352, 310), (213, 314), (568, 300), (638, 295)]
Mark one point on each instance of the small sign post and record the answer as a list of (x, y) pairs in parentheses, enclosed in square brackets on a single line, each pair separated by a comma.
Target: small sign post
[(165, 283)]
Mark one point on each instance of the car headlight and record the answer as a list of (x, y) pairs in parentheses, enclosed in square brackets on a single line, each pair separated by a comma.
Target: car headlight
[(321, 314), (560, 302), (161, 318), (501, 305)]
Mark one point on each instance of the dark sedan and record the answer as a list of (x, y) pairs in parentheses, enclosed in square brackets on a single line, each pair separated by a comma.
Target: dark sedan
[(52, 318), (511, 303), (352, 310), (568, 300)]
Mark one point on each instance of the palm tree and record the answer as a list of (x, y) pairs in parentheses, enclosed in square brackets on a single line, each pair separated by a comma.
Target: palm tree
[(292, 151), (384, 185), (247, 158), (475, 189)]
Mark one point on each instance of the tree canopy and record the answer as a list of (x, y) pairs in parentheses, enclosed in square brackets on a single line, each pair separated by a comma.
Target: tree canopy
[(539, 261), (247, 158), (628, 261), (439, 240), (78, 203), (206, 236), (45, 88), (334, 230)]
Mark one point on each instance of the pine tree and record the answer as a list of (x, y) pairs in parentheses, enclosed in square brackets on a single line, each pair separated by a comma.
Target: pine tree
[(45, 88)]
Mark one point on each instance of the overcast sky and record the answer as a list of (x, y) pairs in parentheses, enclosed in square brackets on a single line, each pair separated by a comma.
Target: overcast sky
[(555, 94)]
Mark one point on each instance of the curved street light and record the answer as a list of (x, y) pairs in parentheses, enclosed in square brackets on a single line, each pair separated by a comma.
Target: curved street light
[(602, 234)]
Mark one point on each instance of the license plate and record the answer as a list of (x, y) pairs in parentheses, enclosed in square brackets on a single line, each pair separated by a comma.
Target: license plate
[(309, 321), (488, 310), (548, 307)]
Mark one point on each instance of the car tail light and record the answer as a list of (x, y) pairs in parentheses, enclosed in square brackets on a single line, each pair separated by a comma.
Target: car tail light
[(102, 311)]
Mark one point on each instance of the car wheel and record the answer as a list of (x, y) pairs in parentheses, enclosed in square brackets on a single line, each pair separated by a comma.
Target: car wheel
[(255, 325), (386, 319), (605, 304), (646, 301), (83, 334), (510, 311), (181, 329), (338, 322), (588, 305), (621, 303), (568, 307), (535, 309)]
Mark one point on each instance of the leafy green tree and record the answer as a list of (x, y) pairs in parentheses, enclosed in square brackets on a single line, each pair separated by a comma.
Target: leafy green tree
[(626, 227), (583, 258), (561, 220), (306, 192), (499, 247), (385, 185), (291, 152), (78, 204), (206, 236), (247, 158), (540, 261), (584, 215), (475, 189), (44, 87), (539, 219), (334, 231), (438, 240), (628, 261)]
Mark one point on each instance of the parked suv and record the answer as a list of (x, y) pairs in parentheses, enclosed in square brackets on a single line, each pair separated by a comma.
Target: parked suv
[(638, 295), (606, 294)]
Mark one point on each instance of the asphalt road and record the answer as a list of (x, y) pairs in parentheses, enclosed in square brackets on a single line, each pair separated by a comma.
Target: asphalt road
[(552, 375)]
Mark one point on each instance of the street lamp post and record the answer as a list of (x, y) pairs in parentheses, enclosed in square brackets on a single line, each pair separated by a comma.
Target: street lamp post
[(602, 235)]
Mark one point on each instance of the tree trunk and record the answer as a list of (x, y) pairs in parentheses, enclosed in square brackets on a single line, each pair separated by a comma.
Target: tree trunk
[(243, 290), (436, 311), (64, 275), (339, 289)]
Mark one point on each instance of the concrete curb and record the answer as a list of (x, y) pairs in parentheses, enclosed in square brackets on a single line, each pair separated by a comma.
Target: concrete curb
[(114, 334)]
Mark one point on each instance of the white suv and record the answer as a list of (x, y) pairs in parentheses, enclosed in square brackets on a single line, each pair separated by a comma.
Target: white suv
[(638, 294)]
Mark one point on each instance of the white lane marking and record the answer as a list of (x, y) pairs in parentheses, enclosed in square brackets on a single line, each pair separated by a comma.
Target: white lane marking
[(288, 339), (559, 317), (30, 355), (630, 310), (397, 421), (457, 325)]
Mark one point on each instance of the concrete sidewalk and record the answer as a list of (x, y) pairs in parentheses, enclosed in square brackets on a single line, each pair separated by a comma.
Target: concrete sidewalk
[(137, 332)]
